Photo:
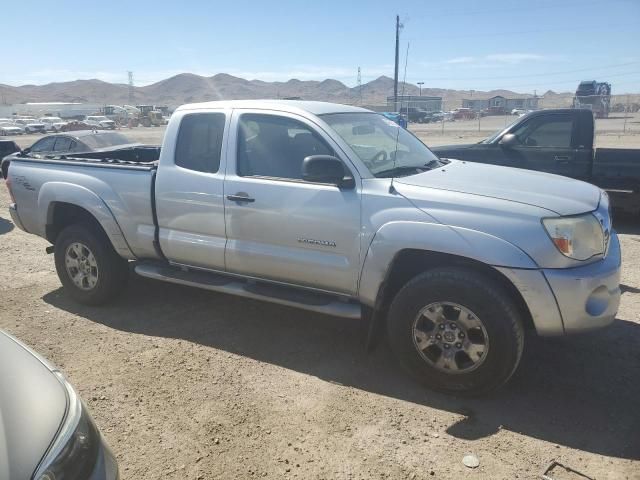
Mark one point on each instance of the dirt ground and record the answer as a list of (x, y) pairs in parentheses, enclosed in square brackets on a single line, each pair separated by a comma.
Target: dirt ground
[(189, 384)]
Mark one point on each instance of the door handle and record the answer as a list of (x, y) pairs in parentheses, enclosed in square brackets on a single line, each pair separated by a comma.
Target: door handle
[(241, 197), (561, 159)]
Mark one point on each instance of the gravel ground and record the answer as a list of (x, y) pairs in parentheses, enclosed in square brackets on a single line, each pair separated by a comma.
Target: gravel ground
[(188, 384)]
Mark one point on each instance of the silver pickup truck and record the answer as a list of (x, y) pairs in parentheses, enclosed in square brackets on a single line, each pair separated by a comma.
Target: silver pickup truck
[(335, 209)]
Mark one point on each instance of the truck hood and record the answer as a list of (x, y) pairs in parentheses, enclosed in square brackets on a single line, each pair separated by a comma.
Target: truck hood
[(557, 194), (32, 406)]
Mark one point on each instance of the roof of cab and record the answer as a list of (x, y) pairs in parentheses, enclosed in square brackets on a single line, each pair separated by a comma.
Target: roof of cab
[(293, 106)]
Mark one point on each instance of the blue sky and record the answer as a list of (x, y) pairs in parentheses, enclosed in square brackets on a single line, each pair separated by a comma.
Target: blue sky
[(522, 46)]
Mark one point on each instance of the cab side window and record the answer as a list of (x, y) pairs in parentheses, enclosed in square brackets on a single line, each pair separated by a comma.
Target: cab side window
[(273, 146), (200, 142), (546, 131)]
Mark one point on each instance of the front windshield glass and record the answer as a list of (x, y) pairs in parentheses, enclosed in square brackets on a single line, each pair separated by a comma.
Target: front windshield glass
[(387, 149), (102, 140)]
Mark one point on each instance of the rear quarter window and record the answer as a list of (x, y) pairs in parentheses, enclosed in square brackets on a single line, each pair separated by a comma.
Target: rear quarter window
[(200, 142)]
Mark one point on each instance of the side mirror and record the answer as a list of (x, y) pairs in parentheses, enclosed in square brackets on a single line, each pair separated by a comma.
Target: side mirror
[(508, 140), (325, 169)]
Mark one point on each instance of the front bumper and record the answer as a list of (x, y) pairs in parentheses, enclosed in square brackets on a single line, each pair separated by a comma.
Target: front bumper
[(571, 300), (589, 296), (106, 467)]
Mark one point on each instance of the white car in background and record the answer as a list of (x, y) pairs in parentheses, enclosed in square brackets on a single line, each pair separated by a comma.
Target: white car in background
[(101, 122), (9, 128), (53, 124), (30, 125)]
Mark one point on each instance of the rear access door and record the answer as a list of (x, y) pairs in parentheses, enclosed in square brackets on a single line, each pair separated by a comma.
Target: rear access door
[(189, 189)]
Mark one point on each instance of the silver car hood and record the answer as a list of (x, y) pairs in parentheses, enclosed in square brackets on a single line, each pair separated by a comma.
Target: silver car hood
[(32, 407), (557, 194)]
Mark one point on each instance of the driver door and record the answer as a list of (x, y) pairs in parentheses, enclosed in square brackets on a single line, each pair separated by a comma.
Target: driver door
[(279, 226), (545, 144)]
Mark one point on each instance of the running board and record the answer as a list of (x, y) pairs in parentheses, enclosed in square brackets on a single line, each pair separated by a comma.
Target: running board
[(270, 292)]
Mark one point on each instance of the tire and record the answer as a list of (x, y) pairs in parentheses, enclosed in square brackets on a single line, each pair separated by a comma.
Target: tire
[(111, 270), (500, 334)]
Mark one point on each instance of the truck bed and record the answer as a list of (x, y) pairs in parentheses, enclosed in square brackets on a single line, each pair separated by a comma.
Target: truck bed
[(617, 169), (117, 183)]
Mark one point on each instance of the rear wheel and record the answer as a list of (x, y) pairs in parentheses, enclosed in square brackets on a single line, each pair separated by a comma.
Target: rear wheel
[(456, 330), (89, 268)]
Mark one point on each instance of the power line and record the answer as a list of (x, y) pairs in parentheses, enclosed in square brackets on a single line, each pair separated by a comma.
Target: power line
[(563, 82), (599, 29), (551, 6), (604, 67)]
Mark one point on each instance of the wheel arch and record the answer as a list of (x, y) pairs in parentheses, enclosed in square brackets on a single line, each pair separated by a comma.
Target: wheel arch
[(409, 263), (401, 250), (63, 204)]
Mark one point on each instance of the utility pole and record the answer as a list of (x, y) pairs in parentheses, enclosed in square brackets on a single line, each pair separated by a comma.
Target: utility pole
[(395, 75), (420, 87), (360, 85), (130, 88)]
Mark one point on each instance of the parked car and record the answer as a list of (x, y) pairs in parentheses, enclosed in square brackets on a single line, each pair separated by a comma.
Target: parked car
[(559, 141), (47, 432), (85, 141), (7, 147), (30, 125), (78, 141), (10, 129), (334, 209), (518, 111), (463, 114), (101, 122), (53, 124), (74, 125), (414, 114), (396, 118)]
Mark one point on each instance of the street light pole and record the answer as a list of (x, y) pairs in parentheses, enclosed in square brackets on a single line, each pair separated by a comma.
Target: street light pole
[(420, 86)]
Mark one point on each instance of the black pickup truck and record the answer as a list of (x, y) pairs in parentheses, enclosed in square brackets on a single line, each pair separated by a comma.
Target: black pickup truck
[(559, 141)]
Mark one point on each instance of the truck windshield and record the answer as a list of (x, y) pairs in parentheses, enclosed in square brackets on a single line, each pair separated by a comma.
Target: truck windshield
[(386, 149)]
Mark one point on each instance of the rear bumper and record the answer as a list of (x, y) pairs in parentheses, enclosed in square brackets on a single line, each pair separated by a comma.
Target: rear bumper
[(571, 300), (15, 218)]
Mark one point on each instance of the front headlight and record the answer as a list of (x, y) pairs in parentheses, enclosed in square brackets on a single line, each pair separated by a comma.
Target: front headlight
[(74, 452), (579, 237)]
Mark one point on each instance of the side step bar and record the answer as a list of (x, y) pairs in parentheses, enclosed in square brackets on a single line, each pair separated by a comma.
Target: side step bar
[(284, 295)]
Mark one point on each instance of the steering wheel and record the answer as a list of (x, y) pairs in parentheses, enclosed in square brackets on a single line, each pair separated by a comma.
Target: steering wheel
[(379, 157)]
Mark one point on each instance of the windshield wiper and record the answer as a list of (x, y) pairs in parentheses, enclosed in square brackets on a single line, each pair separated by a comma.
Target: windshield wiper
[(402, 171)]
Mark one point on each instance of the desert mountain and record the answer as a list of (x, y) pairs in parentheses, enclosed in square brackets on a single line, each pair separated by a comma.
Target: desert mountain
[(188, 87)]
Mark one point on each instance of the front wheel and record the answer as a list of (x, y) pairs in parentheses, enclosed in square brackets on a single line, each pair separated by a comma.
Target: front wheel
[(89, 268), (456, 330)]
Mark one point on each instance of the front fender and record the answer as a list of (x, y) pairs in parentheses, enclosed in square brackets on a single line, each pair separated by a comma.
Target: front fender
[(393, 237), (52, 192)]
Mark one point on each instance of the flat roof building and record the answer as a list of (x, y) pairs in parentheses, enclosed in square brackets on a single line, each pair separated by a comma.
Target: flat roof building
[(525, 102)]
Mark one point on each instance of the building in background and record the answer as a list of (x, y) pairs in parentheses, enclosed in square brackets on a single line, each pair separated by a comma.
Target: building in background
[(428, 104), (503, 103), (58, 109)]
